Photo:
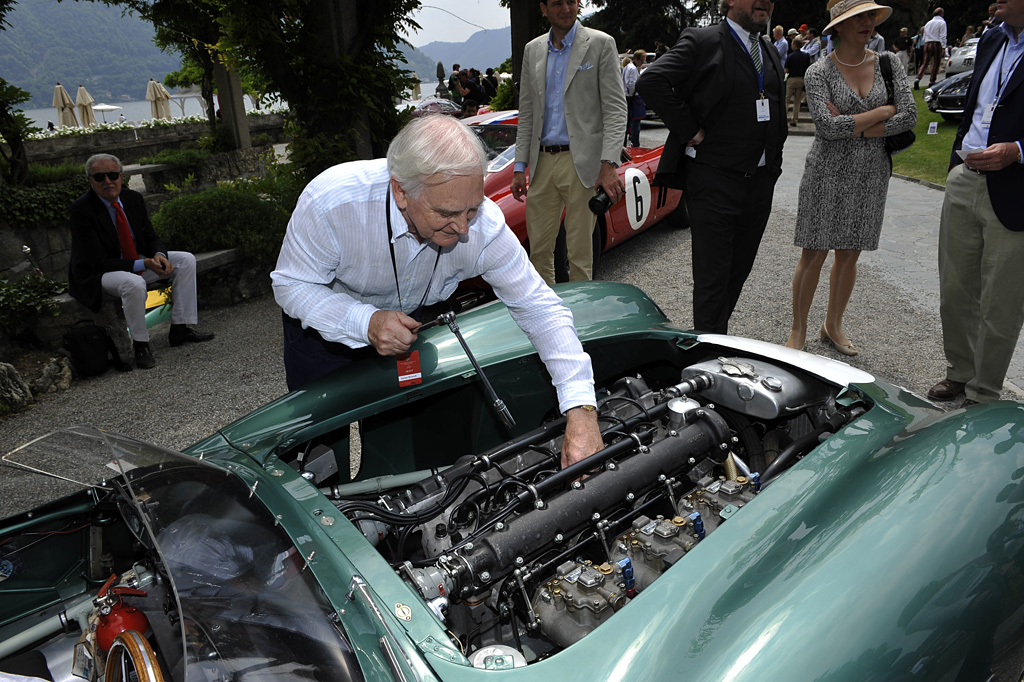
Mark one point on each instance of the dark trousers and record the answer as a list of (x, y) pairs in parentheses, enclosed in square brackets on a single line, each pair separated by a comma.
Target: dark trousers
[(728, 213), (633, 126), (308, 356), (933, 55)]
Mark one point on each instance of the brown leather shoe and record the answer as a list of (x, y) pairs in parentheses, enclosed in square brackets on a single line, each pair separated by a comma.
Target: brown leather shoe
[(947, 389)]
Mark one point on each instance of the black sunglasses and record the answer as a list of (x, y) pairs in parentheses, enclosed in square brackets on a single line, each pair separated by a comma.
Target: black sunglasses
[(109, 175)]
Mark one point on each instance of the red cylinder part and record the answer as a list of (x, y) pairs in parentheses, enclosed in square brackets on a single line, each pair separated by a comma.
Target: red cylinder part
[(121, 617)]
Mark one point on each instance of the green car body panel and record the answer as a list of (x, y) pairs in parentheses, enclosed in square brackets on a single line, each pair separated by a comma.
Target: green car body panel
[(841, 569)]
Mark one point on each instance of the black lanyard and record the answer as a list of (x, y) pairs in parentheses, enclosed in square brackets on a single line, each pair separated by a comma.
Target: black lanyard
[(394, 263)]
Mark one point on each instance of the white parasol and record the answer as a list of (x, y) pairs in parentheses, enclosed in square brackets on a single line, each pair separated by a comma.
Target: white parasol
[(82, 101), (159, 100), (103, 109), (65, 107)]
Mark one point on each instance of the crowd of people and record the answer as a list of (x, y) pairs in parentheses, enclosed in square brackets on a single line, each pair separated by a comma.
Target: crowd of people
[(423, 211), (470, 89)]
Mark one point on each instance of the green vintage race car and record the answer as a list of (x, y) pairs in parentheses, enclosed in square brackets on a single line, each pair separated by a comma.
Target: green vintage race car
[(759, 513)]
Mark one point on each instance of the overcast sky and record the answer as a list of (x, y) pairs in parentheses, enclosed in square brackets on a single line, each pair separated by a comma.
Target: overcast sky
[(453, 21)]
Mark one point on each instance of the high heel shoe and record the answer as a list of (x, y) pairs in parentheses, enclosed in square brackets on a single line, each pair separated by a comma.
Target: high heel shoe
[(845, 349)]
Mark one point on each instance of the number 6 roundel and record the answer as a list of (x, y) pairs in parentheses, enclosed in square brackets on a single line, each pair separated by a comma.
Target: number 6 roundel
[(638, 197)]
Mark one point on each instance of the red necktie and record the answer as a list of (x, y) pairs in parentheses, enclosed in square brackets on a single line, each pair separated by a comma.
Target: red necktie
[(124, 234)]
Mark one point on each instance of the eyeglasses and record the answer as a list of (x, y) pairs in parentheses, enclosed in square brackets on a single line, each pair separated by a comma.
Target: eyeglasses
[(110, 175)]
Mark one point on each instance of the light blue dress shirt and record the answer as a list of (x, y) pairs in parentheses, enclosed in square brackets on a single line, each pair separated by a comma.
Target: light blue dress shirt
[(1000, 71)]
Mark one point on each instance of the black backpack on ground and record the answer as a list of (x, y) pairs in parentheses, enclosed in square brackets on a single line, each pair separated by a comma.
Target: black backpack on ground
[(92, 350)]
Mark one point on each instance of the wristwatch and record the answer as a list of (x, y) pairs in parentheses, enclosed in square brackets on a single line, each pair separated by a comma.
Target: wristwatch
[(585, 408), (614, 165)]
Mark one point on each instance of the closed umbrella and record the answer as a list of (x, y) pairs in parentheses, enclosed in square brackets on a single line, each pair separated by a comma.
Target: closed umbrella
[(103, 109), (165, 102), (65, 107), (83, 102), (153, 97)]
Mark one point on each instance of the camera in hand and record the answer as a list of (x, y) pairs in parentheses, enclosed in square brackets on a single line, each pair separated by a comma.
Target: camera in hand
[(600, 202)]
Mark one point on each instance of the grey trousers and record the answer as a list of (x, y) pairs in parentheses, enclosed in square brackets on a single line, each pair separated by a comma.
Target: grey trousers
[(130, 287), (981, 290)]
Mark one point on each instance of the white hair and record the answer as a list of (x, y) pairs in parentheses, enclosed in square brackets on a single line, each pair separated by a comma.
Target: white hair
[(435, 145), (97, 158)]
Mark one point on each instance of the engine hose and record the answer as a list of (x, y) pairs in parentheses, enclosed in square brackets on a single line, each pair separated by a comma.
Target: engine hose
[(803, 445)]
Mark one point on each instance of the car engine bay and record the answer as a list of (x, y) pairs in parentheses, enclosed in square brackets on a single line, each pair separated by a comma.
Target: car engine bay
[(519, 558)]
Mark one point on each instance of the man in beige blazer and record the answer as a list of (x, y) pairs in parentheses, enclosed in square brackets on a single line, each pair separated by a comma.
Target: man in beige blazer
[(572, 120)]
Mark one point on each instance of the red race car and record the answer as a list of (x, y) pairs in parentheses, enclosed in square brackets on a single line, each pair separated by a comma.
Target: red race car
[(642, 206)]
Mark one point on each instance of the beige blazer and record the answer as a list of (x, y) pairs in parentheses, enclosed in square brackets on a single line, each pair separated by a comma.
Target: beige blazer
[(595, 106)]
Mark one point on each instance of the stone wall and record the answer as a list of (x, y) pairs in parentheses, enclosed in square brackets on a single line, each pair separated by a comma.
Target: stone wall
[(139, 143)]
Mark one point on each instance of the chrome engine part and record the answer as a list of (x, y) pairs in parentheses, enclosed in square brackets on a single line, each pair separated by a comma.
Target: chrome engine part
[(509, 551)]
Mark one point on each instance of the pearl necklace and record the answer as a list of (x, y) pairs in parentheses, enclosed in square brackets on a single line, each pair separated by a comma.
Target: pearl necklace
[(852, 66)]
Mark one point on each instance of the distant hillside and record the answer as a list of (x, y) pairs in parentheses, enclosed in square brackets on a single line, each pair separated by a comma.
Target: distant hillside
[(483, 49), (80, 42), (424, 67)]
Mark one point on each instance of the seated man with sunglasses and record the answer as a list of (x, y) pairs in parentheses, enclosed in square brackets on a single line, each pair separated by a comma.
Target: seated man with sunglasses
[(115, 250)]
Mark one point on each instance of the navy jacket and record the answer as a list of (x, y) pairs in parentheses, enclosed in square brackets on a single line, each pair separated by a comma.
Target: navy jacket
[(1004, 187), (95, 248)]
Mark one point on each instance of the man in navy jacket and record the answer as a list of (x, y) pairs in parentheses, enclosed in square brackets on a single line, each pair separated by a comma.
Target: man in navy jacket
[(114, 250), (981, 234)]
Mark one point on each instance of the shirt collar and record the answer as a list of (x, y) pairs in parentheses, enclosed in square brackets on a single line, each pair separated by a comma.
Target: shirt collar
[(740, 31), (568, 39), (1009, 33)]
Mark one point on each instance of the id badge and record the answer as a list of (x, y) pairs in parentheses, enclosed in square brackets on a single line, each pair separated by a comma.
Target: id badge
[(761, 107), (986, 118), (409, 373)]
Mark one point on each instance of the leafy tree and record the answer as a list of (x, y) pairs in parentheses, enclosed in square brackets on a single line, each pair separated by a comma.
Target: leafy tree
[(634, 29), (14, 125)]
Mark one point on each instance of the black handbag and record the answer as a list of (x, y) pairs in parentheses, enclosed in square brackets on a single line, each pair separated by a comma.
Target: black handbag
[(894, 144)]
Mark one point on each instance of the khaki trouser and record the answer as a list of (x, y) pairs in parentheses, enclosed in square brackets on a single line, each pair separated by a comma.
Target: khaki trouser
[(981, 291), (554, 186), (795, 91)]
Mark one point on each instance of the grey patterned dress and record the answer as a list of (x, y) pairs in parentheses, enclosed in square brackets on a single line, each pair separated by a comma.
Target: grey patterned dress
[(842, 193)]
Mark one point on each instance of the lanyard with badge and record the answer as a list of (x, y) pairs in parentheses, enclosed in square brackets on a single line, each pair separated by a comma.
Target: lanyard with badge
[(986, 118), (761, 104), (409, 373)]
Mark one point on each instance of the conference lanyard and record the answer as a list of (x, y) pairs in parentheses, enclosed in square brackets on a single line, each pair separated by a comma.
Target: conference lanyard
[(394, 263), (1000, 84), (748, 48)]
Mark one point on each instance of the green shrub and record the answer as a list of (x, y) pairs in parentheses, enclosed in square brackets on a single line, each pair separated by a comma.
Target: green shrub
[(188, 160), (31, 295), (39, 174), (505, 97), (223, 218), (42, 203)]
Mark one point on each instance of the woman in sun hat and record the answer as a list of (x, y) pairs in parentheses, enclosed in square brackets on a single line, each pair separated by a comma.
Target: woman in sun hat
[(846, 176)]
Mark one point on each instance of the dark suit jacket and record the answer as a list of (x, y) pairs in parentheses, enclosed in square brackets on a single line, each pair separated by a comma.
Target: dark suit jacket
[(1004, 187), (690, 85), (95, 248)]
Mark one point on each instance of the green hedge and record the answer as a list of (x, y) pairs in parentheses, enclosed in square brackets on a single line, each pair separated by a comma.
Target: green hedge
[(42, 203), (224, 218)]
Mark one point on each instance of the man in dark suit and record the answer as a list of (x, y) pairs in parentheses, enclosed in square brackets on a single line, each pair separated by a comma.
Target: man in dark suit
[(720, 92), (981, 233), (114, 250)]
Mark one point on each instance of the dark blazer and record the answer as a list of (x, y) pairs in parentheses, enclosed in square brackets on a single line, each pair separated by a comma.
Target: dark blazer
[(690, 85), (1004, 186), (95, 248)]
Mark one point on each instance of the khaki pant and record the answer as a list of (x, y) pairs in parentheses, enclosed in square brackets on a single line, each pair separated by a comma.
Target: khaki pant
[(981, 291), (904, 57), (555, 186), (795, 91), (131, 289)]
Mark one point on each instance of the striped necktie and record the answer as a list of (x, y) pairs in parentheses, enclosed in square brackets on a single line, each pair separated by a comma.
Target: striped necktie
[(755, 52)]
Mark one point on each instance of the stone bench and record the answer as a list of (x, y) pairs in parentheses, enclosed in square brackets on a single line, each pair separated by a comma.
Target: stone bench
[(50, 330)]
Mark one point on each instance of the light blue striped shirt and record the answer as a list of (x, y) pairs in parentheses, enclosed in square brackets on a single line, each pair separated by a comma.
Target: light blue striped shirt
[(333, 271), (1001, 70)]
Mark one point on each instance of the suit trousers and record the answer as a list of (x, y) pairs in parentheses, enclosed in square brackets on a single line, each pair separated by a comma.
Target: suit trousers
[(981, 292), (728, 213), (130, 287), (932, 55), (795, 92), (555, 186)]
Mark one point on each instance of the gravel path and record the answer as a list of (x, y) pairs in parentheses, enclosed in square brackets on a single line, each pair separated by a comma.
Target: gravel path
[(197, 389)]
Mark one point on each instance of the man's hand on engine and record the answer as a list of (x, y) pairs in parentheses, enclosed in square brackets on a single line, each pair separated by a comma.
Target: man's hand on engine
[(582, 436)]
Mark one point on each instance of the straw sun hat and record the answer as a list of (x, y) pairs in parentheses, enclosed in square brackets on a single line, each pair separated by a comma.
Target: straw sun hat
[(841, 10)]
